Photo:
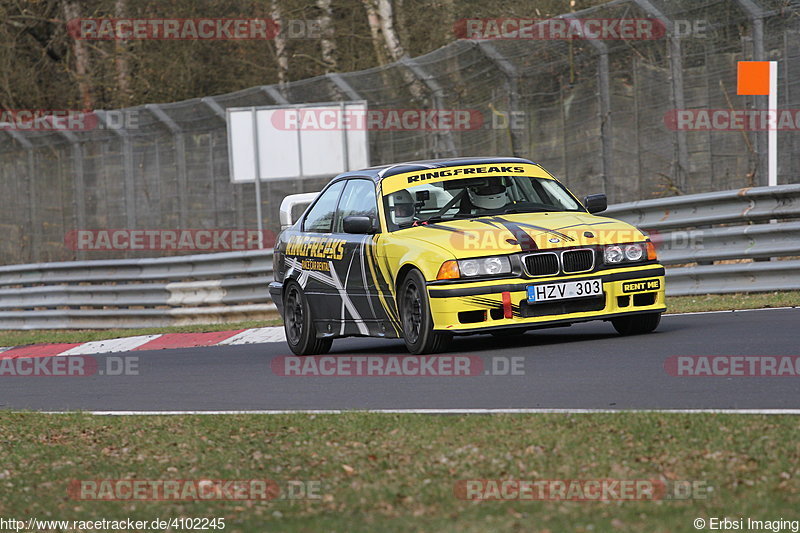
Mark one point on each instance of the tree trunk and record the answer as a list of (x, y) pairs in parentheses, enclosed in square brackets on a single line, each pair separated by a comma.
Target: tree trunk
[(386, 19), (81, 53), (386, 42), (326, 40), (374, 21), (121, 59), (280, 43)]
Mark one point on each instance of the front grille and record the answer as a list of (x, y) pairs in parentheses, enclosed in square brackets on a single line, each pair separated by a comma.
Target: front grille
[(577, 261), (544, 264)]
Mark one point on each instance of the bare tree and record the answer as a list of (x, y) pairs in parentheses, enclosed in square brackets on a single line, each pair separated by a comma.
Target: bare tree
[(380, 17), (327, 41), (280, 43), (81, 53), (121, 58), (386, 19), (374, 21)]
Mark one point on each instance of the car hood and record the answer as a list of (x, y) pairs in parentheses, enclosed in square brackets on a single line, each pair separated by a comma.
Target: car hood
[(522, 232)]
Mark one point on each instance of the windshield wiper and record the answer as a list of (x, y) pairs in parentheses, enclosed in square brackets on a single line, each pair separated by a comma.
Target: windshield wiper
[(433, 219), (442, 218), (512, 210)]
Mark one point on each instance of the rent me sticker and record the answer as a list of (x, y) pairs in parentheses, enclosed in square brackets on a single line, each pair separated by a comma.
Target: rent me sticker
[(643, 285)]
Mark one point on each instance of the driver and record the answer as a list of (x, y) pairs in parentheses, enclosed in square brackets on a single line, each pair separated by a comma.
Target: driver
[(489, 196), (402, 204)]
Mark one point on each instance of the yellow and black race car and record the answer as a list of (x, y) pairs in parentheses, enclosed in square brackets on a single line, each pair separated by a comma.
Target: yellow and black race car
[(430, 249)]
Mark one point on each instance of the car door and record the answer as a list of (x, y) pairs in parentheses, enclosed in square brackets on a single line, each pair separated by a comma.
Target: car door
[(311, 253), (361, 311)]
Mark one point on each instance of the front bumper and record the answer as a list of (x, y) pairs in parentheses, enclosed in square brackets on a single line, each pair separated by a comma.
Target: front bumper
[(466, 307)]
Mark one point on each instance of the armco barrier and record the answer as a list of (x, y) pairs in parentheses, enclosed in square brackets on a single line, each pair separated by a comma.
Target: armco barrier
[(753, 235), (200, 289)]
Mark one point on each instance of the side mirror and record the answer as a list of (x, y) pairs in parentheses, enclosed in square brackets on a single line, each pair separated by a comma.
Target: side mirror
[(595, 203), (358, 225)]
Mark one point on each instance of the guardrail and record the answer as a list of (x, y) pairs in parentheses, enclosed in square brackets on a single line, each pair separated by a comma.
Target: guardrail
[(731, 241), (153, 292), (741, 241)]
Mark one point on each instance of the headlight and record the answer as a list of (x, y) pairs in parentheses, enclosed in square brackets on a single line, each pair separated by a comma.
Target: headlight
[(470, 268), (615, 254), (634, 252), (496, 265), (484, 266)]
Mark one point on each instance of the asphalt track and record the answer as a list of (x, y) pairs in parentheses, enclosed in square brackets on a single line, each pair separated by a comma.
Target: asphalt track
[(586, 366)]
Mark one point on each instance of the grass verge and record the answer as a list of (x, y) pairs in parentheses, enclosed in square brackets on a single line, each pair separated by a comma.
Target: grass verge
[(675, 304), (397, 472), (726, 302)]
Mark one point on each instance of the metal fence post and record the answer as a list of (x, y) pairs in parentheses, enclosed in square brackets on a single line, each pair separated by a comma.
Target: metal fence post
[(273, 93), (127, 169), (180, 158), (78, 189), (219, 112), (344, 87), (676, 76), (512, 87), (604, 101), (32, 212), (436, 95)]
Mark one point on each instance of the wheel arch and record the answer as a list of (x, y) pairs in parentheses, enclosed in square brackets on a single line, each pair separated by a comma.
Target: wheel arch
[(402, 273)]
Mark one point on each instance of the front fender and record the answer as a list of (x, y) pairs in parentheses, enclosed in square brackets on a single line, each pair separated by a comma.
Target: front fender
[(401, 252)]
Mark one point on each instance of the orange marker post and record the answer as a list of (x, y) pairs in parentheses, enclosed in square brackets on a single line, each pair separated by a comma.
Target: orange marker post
[(759, 78)]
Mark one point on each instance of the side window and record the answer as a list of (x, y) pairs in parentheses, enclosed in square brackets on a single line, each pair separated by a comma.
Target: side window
[(320, 218), (358, 200)]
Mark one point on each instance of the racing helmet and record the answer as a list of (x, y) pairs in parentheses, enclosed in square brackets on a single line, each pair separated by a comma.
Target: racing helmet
[(492, 195), (402, 207)]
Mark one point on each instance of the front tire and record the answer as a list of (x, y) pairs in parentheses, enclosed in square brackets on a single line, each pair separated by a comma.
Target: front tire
[(299, 325), (636, 324), (415, 315)]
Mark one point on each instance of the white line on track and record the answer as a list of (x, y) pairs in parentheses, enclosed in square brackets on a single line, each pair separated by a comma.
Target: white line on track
[(731, 311), (435, 411)]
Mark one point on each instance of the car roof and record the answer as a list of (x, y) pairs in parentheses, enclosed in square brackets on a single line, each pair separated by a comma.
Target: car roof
[(380, 172)]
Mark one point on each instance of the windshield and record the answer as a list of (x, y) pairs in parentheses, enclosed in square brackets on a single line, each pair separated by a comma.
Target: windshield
[(474, 197)]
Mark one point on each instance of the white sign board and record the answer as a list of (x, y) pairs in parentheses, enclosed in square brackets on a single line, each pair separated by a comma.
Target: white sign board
[(297, 140)]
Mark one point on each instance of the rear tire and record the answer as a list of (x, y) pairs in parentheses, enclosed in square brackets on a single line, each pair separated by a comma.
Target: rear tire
[(636, 324), (298, 324), (415, 316)]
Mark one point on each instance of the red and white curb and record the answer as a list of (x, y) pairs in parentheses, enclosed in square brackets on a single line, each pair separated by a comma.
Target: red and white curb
[(147, 342)]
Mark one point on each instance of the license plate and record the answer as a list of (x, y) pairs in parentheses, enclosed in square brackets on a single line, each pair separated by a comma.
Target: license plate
[(563, 291)]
